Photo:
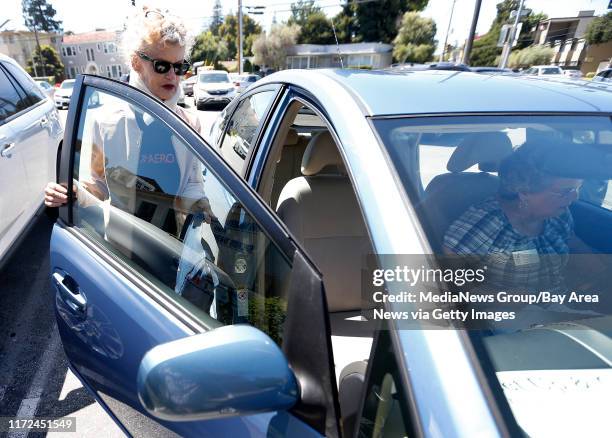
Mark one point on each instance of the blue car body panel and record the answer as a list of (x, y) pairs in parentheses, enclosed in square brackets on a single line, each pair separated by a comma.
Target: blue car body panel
[(106, 345)]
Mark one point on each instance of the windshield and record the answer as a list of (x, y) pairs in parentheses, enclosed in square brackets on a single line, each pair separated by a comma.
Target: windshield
[(67, 85), (526, 203), (214, 78), (551, 71)]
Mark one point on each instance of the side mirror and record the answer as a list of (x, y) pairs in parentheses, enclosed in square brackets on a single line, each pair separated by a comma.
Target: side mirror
[(230, 371)]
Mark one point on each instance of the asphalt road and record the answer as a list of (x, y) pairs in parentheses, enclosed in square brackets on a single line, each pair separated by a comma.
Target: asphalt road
[(34, 376)]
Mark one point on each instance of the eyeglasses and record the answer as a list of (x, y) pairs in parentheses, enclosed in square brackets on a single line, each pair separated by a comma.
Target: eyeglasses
[(566, 193), (163, 67)]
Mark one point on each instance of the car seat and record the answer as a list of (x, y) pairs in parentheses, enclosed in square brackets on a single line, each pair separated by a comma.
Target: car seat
[(321, 210), (450, 194)]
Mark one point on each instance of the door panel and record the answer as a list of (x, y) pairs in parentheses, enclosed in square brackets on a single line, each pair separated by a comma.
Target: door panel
[(145, 254)]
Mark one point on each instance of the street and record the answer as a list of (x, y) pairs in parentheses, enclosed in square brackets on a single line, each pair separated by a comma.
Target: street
[(34, 376)]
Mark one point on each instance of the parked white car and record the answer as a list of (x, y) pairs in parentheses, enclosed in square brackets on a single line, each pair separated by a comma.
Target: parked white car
[(64, 93), (544, 70), (30, 134), (213, 87)]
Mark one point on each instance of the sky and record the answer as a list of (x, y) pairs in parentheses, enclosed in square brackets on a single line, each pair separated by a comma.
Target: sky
[(86, 15)]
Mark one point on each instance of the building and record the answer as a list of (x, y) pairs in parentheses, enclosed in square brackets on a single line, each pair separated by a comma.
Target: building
[(567, 38), (21, 44), (358, 55), (94, 53)]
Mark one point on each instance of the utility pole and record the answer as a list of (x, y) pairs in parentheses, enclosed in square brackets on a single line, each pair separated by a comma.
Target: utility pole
[(240, 37), (508, 44), (470, 40), (450, 20)]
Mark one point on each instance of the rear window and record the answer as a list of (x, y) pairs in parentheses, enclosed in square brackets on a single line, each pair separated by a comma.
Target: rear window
[(213, 78), (551, 71)]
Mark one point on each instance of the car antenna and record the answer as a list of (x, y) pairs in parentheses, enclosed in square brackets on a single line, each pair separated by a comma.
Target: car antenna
[(337, 45)]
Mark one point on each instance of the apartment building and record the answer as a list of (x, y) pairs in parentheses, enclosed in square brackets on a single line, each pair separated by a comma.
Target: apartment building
[(93, 53)]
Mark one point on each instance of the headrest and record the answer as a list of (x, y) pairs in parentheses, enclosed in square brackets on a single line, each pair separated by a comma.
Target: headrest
[(292, 137), (486, 149), (321, 152)]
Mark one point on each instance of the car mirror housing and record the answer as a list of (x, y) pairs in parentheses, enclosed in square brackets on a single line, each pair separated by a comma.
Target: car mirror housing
[(230, 371)]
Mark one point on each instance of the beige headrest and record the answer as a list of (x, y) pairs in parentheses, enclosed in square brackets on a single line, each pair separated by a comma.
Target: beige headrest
[(292, 137), (320, 153), (486, 149)]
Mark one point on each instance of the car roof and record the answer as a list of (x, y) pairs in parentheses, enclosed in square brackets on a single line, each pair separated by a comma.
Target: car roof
[(440, 91)]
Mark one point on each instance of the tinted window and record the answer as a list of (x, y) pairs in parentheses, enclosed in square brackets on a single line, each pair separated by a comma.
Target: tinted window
[(34, 93), (213, 78), (243, 126), (147, 198), (11, 102), (550, 71)]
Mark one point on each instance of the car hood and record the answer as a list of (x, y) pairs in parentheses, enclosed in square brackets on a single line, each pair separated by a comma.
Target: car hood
[(216, 86), (64, 93)]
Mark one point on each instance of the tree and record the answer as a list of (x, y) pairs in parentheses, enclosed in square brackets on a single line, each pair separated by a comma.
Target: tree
[(49, 60), (38, 16), (533, 55), (271, 49), (217, 18), (415, 39), (317, 29), (228, 32), (374, 21), (600, 30), (209, 48), (485, 49), (301, 10)]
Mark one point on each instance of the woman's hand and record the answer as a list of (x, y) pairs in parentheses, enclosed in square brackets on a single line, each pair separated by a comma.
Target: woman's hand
[(203, 206), (55, 195)]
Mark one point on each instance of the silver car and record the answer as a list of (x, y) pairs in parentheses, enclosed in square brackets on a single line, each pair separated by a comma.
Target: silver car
[(30, 134)]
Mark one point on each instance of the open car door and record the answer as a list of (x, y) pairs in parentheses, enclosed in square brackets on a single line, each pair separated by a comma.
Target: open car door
[(161, 241)]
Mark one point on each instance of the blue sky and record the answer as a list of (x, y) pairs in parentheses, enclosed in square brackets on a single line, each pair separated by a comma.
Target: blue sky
[(85, 15)]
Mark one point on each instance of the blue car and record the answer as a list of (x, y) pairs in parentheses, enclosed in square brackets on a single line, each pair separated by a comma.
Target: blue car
[(222, 287)]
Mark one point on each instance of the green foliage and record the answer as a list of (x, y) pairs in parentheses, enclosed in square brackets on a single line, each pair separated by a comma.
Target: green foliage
[(485, 50), (301, 11), (268, 315), (533, 55), (373, 21), (590, 75), (228, 32), (209, 48), (271, 49), (47, 60), (317, 30), (38, 15), (600, 30), (415, 40), (217, 18)]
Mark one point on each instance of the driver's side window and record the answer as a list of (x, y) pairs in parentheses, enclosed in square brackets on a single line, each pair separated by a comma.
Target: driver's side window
[(148, 199)]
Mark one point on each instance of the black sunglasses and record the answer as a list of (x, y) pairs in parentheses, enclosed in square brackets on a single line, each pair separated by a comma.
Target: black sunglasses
[(162, 67)]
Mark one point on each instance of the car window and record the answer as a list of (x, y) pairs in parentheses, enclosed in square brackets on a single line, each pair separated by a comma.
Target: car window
[(146, 198), (525, 201), (384, 406), (34, 94), (211, 78), (551, 71), (11, 101), (243, 126), (67, 85)]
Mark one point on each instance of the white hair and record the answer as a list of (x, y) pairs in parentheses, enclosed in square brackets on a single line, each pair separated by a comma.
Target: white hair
[(152, 26)]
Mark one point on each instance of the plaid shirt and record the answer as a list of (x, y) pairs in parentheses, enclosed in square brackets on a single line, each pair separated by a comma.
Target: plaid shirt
[(512, 259)]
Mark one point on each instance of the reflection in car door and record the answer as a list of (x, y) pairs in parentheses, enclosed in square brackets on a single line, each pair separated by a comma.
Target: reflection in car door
[(125, 280)]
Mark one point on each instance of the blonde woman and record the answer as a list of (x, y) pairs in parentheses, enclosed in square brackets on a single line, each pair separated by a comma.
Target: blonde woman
[(157, 45)]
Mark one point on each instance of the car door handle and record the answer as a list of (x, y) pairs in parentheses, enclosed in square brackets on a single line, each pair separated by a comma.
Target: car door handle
[(6, 150), (44, 122), (69, 291)]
